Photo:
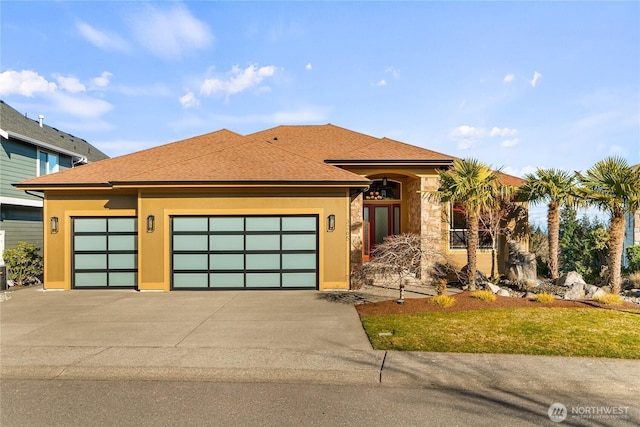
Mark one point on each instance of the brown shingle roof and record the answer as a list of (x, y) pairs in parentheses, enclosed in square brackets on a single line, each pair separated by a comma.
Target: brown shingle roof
[(334, 144), (221, 156), (284, 154)]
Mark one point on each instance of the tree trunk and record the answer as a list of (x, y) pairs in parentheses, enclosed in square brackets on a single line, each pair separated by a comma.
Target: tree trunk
[(553, 228), (472, 246), (616, 240)]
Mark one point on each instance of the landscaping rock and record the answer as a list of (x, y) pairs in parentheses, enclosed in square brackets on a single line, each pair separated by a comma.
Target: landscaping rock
[(568, 279), (529, 295), (521, 265), (503, 293), (575, 291), (493, 288)]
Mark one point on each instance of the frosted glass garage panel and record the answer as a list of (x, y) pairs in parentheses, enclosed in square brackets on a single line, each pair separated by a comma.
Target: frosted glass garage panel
[(190, 243), (90, 261), (299, 223), (90, 279), (123, 243), (90, 225), (227, 242), (190, 224), (298, 261), (123, 279), (123, 261), (90, 243), (263, 261), (227, 280), (263, 280), (298, 242), (122, 225), (190, 262), (226, 224), (299, 280), (227, 261), (190, 280), (263, 224), (263, 242)]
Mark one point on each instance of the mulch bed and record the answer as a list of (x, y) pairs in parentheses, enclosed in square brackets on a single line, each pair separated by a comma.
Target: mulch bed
[(464, 301)]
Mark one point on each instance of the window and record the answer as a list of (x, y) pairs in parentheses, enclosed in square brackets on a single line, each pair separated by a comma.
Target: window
[(47, 163), (458, 230), (383, 189)]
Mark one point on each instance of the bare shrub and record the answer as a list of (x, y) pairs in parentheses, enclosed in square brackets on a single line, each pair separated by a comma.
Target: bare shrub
[(405, 256)]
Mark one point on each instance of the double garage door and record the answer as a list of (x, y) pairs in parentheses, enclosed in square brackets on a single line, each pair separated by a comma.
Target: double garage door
[(207, 252), (244, 252)]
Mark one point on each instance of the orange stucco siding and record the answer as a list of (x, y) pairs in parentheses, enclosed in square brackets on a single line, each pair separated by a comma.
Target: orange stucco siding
[(154, 247)]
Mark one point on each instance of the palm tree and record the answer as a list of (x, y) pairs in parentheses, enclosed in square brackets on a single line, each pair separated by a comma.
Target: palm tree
[(614, 187), (556, 188), (473, 185)]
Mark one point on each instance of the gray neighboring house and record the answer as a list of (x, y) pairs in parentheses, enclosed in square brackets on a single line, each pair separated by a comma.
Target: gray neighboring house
[(632, 229), (31, 148)]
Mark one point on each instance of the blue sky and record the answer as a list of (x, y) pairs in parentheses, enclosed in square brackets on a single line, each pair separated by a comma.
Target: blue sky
[(518, 85)]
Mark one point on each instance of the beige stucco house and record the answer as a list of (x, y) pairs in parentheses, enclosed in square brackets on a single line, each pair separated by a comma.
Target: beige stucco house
[(292, 207)]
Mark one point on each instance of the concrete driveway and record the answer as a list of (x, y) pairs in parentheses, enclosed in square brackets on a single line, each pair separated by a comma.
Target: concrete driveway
[(296, 320), (222, 336)]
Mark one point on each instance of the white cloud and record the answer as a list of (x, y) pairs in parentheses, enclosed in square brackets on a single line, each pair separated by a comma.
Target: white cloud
[(308, 66), (238, 80), (103, 80), (382, 82), (509, 78), (70, 84), (81, 106), (25, 82), (395, 73), (534, 80), (107, 41), (465, 131), (468, 136), (495, 131), (189, 100), (170, 33), (510, 142)]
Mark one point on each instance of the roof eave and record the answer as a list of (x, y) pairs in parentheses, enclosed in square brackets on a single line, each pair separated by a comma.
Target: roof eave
[(50, 147), (241, 184), (394, 162)]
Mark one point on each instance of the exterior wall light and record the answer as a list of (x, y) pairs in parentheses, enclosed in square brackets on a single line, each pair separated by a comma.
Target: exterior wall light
[(331, 222), (151, 223), (54, 224)]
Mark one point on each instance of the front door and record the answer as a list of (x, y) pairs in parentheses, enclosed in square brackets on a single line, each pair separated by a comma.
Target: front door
[(379, 221)]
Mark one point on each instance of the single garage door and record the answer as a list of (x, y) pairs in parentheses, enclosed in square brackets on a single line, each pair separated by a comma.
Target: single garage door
[(244, 252), (105, 253)]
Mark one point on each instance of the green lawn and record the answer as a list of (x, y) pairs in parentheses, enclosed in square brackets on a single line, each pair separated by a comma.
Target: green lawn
[(588, 332)]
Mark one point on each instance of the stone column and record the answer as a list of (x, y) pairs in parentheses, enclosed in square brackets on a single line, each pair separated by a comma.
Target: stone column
[(356, 279), (430, 221)]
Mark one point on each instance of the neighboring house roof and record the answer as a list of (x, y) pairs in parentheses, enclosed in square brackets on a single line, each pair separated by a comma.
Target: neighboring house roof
[(284, 155), (17, 125)]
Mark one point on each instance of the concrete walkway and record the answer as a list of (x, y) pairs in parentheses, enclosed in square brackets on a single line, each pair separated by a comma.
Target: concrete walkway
[(258, 336)]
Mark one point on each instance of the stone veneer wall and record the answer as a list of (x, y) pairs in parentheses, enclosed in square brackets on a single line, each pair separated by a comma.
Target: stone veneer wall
[(356, 279), (430, 220), (413, 205)]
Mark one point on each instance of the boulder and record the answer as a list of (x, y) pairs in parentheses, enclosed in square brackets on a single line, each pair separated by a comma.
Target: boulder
[(568, 279), (521, 265), (575, 291), (503, 293), (493, 288)]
